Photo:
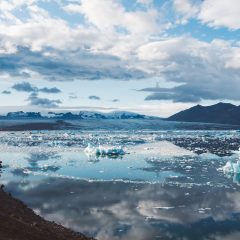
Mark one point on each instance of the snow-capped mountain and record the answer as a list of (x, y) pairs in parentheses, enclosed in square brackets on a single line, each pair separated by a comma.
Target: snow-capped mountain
[(74, 116), (125, 115), (21, 114)]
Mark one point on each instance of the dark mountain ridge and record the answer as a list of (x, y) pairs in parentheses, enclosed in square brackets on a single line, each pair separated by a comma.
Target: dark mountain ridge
[(223, 113)]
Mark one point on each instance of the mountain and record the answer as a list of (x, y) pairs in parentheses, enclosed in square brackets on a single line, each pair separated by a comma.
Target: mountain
[(75, 116), (125, 115), (24, 115), (98, 115), (224, 113)]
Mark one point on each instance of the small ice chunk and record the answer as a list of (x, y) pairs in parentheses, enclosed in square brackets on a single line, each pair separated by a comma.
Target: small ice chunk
[(231, 167), (165, 208), (104, 150), (89, 149)]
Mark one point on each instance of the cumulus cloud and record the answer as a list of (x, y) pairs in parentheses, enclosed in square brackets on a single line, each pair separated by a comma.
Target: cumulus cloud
[(201, 70), (115, 15), (102, 38), (224, 13), (93, 97), (35, 100), (27, 87), (6, 92), (112, 41), (185, 9), (214, 13)]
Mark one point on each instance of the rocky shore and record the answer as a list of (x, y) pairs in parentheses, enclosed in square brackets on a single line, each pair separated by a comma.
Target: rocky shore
[(18, 222)]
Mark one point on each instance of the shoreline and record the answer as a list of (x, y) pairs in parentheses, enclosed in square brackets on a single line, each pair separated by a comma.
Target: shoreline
[(109, 124), (18, 222)]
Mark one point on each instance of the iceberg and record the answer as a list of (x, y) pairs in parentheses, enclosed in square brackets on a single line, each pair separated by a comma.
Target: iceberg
[(89, 149), (231, 167), (104, 150)]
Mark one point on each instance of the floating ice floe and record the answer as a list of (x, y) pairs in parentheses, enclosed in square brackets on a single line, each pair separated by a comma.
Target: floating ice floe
[(104, 150), (231, 167)]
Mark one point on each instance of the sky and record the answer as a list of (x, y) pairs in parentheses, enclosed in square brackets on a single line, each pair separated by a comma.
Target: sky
[(154, 57)]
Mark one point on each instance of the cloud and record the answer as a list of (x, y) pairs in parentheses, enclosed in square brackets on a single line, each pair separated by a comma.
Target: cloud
[(6, 92), (146, 2), (27, 87), (181, 93), (72, 96), (82, 65), (34, 100), (24, 87), (105, 38), (115, 100), (202, 71), (186, 9), (116, 16), (49, 90), (94, 97), (209, 12), (110, 40), (175, 96), (224, 13)]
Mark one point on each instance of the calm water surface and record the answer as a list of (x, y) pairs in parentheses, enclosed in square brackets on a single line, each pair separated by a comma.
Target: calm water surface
[(157, 191)]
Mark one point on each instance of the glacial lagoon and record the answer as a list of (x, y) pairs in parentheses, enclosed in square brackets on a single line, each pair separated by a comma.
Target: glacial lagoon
[(168, 185)]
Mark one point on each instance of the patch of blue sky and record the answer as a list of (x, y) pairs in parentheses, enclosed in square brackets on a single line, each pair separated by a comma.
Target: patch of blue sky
[(129, 5), (21, 13), (136, 5), (203, 32), (159, 3), (56, 10)]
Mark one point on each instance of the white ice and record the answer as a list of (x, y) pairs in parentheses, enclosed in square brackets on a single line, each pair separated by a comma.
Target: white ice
[(160, 148), (231, 167), (104, 150)]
